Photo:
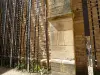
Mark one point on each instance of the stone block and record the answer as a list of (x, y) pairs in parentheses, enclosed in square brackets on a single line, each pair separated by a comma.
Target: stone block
[(62, 67)]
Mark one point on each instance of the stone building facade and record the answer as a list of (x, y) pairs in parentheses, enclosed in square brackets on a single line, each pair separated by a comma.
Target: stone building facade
[(61, 29), (60, 18)]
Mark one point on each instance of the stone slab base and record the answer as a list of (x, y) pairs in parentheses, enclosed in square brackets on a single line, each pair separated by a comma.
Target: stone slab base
[(62, 67)]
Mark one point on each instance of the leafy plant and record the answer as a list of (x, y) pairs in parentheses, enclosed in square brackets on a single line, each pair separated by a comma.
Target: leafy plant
[(21, 66), (36, 68)]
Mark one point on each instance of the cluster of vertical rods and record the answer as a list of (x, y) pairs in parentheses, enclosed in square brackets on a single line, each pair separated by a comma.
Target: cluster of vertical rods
[(20, 20)]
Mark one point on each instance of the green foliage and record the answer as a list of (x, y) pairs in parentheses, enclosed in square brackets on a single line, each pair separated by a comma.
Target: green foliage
[(21, 66), (36, 68)]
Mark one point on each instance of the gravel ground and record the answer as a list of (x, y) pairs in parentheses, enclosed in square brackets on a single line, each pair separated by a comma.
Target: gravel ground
[(5, 71)]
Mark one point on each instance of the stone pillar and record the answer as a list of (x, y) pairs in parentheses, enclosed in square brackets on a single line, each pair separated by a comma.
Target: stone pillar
[(79, 38)]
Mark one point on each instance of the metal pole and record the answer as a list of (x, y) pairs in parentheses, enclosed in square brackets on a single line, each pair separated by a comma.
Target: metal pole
[(47, 36), (37, 23), (28, 23), (12, 32), (98, 13), (4, 15), (93, 33)]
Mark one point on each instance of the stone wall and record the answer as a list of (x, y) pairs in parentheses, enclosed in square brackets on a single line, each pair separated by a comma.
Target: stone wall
[(62, 41), (62, 45), (58, 7), (79, 31)]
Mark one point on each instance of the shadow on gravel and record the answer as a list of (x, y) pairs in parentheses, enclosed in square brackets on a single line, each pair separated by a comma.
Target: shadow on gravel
[(96, 71), (3, 70)]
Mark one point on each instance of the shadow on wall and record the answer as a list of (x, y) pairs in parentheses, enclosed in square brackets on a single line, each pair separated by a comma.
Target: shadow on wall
[(62, 24)]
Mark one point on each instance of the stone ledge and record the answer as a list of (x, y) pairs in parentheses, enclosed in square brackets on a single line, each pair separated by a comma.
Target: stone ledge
[(61, 67), (72, 62)]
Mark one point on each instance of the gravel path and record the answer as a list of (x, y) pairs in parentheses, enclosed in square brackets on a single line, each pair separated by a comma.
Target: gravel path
[(5, 71)]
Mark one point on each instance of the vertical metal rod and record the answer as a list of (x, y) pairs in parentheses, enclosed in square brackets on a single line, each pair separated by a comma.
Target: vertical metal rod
[(24, 36), (28, 23), (4, 26), (38, 30), (16, 34), (91, 10), (21, 29), (98, 13), (1, 32), (35, 40), (47, 36), (12, 32)]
